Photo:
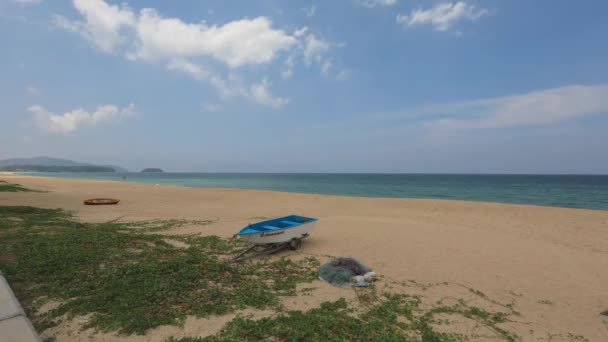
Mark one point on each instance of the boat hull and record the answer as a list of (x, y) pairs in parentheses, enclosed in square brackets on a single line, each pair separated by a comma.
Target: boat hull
[(280, 236)]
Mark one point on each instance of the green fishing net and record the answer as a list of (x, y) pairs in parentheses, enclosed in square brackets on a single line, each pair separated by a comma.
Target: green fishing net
[(341, 270)]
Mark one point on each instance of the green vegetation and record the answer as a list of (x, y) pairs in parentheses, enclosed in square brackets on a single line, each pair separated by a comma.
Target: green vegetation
[(131, 279), (333, 321), (12, 187), (392, 317)]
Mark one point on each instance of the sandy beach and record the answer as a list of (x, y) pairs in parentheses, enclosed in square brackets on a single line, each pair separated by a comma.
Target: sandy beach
[(550, 263)]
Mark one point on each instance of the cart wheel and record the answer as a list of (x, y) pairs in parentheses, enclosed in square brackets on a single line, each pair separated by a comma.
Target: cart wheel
[(295, 244)]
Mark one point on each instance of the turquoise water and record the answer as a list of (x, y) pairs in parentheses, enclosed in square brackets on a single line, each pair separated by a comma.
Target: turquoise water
[(576, 191)]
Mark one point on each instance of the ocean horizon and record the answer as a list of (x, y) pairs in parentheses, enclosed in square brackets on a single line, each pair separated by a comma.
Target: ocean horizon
[(569, 190)]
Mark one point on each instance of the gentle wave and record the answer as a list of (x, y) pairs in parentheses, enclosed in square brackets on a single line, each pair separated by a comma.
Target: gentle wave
[(575, 191)]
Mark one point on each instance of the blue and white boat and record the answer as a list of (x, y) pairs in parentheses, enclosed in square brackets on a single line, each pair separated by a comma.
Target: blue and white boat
[(279, 230), (273, 235)]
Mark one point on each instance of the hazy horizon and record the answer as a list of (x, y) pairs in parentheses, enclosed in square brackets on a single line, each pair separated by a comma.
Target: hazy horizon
[(351, 86), (170, 170)]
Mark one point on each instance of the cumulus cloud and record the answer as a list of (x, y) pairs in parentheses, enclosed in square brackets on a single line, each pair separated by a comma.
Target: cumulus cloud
[(443, 16), (311, 50), (314, 49), (236, 43), (102, 23), (300, 32), (186, 47), (540, 107), (288, 65), (375, 3), (232, 86), (192, 69), (75, 119), (259, 93)]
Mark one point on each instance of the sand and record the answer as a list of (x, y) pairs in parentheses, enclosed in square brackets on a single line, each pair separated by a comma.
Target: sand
[(526, 255)]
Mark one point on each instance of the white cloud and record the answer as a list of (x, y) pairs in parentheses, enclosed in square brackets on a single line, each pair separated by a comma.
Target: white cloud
[(300, 32), (310, 11), (103, 23), (375, 3), (71, 121), (27, 2), (232, 86), (194, 70), (288, 65), (197, 72), (32, 90), (442, 16), (236, 43), (186, 47), (314, 49), (540, 107), (259, 93), (311, 50)]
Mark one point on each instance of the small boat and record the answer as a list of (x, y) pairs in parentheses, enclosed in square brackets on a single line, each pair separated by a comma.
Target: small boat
[(101, 201), (273, 235), (282, 229)]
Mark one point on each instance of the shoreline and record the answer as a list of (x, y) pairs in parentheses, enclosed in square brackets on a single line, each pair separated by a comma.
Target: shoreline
[(522, 254), (121, 181)]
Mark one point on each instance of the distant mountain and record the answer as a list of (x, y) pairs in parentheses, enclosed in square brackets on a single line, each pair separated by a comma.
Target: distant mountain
[(49, 164), (46, 161), (51, 168)]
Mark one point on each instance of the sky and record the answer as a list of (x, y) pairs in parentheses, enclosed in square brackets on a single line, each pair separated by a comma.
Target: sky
[(494, 86)]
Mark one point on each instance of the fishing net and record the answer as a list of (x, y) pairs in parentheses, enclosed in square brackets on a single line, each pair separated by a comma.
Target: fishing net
[(345, 271)]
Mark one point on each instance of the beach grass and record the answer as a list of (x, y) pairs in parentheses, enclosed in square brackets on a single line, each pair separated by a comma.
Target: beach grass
[(126, 277), (13, 187), (335, 321), (386, 317), (131, 279)]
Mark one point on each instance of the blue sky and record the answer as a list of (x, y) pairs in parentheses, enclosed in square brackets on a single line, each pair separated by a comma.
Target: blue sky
[(490, 86)]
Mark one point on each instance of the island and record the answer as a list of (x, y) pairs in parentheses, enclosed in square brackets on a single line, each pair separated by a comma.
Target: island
[(152, 169)]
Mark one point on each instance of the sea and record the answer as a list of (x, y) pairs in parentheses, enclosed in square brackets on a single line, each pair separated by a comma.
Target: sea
[(573, 191)]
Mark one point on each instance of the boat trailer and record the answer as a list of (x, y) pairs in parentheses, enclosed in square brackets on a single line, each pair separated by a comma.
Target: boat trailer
[(266, 249)]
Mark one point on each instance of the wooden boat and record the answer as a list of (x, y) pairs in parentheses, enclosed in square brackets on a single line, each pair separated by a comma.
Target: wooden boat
[(273, 235)]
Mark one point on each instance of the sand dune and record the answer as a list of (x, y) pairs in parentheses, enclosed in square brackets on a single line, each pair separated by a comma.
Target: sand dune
[(526, 255)]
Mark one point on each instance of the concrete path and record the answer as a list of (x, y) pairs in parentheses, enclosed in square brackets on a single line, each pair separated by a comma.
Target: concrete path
[(14, 325)]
